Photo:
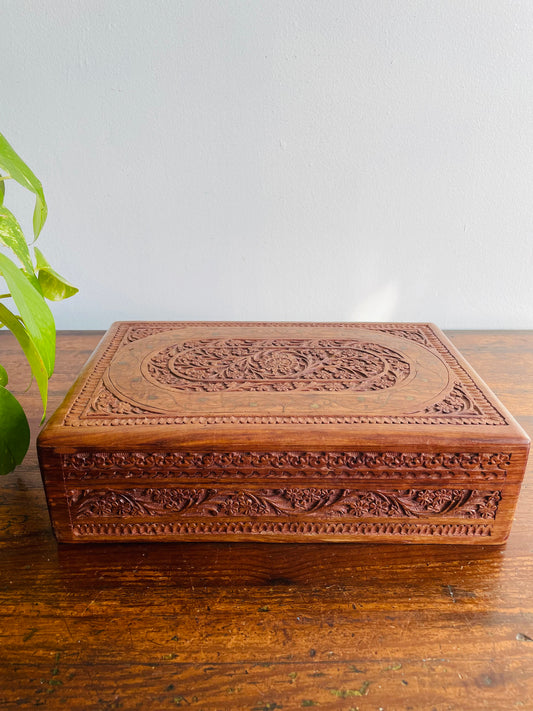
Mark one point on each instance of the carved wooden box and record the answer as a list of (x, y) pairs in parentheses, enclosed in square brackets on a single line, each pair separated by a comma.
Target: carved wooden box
[(281, 432)]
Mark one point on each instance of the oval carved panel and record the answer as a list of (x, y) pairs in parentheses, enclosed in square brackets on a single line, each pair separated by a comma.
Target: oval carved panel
[(273, 372), (263, 365)]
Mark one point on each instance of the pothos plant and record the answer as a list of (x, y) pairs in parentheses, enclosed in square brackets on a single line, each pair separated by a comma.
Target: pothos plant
[(30, 281)]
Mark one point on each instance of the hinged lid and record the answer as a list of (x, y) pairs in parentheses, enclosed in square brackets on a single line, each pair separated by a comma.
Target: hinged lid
[(285, 385)]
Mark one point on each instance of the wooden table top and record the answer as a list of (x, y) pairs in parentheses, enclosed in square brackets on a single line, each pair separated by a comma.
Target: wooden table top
[(264, 626)]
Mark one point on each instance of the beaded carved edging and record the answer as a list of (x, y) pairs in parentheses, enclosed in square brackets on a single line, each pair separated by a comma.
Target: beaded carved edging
[(210, 528), (284, 465), (466, 404), (302, 502)]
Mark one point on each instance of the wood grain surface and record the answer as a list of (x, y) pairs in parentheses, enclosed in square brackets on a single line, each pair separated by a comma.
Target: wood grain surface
[(264, 627)]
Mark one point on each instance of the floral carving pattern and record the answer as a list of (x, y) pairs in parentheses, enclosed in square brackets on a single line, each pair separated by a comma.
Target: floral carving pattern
[(285, 465), (457, 401), (328, 503), (257, 364), (133, 502)]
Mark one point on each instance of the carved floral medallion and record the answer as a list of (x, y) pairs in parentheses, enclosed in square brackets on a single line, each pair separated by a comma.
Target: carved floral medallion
[(240, 364)]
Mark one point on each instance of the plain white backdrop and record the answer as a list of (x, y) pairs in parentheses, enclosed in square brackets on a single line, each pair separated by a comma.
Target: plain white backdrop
[(278, 159)]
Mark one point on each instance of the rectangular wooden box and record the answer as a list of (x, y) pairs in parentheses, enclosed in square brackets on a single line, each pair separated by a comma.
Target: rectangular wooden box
[(281, 432)]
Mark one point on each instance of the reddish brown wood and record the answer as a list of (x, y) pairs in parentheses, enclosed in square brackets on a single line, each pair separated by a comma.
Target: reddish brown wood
[(247, 626), (285, 432)]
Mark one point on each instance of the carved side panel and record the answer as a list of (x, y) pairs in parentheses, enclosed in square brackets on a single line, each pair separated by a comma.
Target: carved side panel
[(330, 502)]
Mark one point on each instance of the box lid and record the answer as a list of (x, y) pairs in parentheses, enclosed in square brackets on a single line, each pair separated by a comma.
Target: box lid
[(314, 386)]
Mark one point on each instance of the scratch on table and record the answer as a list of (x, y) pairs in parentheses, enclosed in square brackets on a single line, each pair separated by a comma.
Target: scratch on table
[(29, 634), (452, 595), (95, 598), (63, 620)]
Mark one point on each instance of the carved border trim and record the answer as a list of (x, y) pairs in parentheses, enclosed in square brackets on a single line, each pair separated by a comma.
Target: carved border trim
[(336, 466), (77, 415), (210, 528)]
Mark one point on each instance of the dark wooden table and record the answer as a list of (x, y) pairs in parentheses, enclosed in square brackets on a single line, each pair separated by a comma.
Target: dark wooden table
[(263, 627)]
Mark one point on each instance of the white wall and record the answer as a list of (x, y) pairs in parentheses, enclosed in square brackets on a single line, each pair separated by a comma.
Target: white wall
[(279, 159)]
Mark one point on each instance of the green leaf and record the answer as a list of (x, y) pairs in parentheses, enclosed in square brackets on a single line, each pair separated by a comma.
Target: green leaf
[(34, 282), (30, 351), (14, 432), (3, 375), (13, 164), (11, 235), (53, 285), (34, 311), (2, 191)]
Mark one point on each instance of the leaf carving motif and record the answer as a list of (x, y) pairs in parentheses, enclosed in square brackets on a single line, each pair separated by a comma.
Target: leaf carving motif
[(327, 503)]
